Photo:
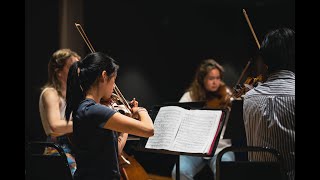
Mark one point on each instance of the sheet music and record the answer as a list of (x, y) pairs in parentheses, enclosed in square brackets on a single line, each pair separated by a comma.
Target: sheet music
[(197, 131), (213, 130), (182, 130), (166, 126)]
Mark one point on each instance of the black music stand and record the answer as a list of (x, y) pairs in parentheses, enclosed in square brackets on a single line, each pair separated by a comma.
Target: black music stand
[(235, 129), (187, 105)]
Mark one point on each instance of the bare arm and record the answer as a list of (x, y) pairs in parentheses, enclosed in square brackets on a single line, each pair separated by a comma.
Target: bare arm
[(121, 123), (122, 139), (51, 105)]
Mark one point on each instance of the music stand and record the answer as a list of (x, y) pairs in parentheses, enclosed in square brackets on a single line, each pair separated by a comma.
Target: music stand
[(187, 105), (235, 129)]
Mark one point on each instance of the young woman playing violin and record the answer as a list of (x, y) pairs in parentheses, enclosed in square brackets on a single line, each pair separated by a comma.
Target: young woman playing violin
[(96, 126), (206, 86)]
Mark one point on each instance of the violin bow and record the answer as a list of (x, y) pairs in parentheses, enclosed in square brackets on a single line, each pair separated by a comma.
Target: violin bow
[(86, 40), (256, 40), (251, 28)]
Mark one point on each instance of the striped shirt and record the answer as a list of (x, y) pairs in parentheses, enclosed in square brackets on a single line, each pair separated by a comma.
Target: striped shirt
[(269, 118)]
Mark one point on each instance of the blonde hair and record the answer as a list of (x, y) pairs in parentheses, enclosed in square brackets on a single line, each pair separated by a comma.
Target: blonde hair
[(56, 64)]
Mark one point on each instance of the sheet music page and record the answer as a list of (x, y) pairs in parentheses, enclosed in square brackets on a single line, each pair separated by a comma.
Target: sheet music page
[(166, 126), (197, 131), (214, 131)]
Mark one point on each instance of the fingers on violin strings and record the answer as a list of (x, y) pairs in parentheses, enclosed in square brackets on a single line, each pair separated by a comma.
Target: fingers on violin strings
[(134, 102)]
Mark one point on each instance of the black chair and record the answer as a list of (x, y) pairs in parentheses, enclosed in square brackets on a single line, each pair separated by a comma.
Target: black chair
[(250, 170), (48, 167)]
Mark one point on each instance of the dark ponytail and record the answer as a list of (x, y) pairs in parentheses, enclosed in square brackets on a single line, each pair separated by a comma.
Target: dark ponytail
[(74, 90), (83, 74)]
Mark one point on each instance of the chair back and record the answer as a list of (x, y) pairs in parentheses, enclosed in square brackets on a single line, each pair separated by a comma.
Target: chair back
[(49, 167), (250, 170)]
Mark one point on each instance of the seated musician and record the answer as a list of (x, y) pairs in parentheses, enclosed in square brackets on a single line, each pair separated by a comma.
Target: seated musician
[(95, 125), (52, 103), (269, 109), (207, 85)]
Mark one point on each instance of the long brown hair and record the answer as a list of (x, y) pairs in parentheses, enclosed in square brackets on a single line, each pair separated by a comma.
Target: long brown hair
[(197, 89), (56, 64)]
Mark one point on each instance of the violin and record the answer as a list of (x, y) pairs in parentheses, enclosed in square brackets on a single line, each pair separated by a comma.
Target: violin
[(221, 99), (249, 84), (115, 103)]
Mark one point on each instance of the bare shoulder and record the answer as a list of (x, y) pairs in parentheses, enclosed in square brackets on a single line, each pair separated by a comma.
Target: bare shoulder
[(50, 94)]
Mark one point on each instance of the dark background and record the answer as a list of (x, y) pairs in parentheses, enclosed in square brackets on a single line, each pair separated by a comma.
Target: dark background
[(158, 44)]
